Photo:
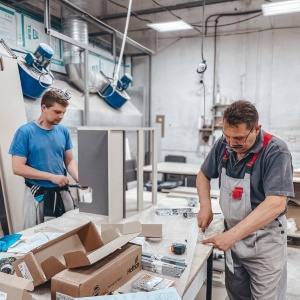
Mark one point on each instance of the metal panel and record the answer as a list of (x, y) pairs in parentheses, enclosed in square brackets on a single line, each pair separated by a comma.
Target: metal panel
[(93, 168)]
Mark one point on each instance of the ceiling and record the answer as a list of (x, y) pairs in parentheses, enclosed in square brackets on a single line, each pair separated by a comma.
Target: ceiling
[(114, 12)]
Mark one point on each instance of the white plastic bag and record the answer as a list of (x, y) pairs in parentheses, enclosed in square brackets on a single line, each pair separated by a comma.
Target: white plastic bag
[(291, 226)]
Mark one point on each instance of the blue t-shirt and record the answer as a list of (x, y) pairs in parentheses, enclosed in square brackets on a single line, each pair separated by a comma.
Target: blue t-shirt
[(44, 149)]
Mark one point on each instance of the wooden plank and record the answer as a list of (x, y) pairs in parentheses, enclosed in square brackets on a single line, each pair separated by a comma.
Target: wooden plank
[(115, 175), (13, 115), (154, 162), (181, 189), (189, 191), (140, 165), (181, 195)]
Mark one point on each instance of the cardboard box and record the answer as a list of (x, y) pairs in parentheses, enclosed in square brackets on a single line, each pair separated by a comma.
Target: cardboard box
[(113, 238), (80, 247), (102, 277), (43, 262), (14, 288)]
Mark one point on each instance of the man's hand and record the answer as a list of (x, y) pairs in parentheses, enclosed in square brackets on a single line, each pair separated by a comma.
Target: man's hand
[(60, 180), (205, 216), (223, 241)]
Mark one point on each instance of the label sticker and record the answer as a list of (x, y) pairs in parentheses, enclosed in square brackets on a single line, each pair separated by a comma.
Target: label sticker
[(24, 271), (3, 296), (60, 296)]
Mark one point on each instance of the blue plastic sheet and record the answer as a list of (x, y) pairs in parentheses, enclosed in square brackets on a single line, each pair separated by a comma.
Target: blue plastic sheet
[(8, 240)]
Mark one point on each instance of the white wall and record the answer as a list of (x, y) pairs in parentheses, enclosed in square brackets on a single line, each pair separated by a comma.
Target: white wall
[(262, 67)]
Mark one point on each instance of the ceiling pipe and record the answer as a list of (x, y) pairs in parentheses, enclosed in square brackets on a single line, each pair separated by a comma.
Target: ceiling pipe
[(99, 24), (162, 9)]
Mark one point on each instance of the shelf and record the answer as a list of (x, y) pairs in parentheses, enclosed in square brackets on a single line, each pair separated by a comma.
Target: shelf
[(206, 129), (221, 105)]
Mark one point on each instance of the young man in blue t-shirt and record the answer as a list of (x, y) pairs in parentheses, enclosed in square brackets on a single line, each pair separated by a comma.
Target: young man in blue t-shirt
[(42, 154)]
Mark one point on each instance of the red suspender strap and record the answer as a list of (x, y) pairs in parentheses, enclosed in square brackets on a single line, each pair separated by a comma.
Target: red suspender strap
[(225, 157), (267, 138)]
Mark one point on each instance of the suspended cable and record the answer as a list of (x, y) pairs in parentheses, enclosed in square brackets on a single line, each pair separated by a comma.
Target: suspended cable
[(116, 75), (241, 21), (169, 11), (133, 13)]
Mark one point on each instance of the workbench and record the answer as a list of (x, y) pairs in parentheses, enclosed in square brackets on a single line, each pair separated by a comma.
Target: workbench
[(201, 265), (175, 168)]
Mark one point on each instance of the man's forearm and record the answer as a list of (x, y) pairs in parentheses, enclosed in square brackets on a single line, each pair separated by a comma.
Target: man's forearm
[(72, 168), (262, 215), (203, 189)]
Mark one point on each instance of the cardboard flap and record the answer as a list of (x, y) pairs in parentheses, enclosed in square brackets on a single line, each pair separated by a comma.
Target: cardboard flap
[(109, 234), (126, 228), (76, 259), (151, 230), (51, 267), (15, 282), (28, 267), (148, 230), (111, 247), (90, 237), (80, 259), (58, 239), (132, 227)]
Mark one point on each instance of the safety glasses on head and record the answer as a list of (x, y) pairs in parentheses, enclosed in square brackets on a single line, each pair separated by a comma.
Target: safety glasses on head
[(62, 93)]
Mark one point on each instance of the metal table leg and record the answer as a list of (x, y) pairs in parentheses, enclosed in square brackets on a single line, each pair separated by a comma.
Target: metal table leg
[(209, 277)]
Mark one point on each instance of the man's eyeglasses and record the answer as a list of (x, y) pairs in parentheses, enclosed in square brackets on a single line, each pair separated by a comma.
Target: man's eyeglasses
[(238, 144)]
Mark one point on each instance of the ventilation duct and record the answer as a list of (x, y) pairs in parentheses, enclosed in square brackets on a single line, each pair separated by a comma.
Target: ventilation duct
[(77, 28)]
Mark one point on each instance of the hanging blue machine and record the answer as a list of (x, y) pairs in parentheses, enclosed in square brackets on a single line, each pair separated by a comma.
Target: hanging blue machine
[(116, 96), (34, 71)]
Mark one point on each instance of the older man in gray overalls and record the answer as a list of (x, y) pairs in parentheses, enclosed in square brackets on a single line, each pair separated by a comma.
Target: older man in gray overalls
[(256, 178)]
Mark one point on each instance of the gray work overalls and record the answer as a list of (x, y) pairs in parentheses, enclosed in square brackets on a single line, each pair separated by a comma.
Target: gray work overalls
[(256, 265)]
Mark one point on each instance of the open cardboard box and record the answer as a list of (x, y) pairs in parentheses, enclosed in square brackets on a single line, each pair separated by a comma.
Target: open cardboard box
[(114, 236), (43, 262), (14, 288), (106, 275), (82, 246)]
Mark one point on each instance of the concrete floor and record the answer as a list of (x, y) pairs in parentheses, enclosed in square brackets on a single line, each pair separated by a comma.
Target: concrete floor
[(293, 292)]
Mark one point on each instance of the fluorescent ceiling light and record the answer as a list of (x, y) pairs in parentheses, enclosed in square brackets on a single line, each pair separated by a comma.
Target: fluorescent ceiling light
[(170, 26), (283, 7)]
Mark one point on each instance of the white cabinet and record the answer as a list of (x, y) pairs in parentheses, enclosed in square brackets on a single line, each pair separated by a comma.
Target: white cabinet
[(101, 162)]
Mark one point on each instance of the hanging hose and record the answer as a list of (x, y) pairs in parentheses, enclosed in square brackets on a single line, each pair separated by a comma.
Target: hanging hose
[(116, 75)]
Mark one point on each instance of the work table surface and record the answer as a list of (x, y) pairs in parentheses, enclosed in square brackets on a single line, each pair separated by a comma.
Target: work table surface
[(75, 219)]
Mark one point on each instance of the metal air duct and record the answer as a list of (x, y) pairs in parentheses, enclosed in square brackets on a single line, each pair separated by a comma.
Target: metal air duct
[(77, 28)]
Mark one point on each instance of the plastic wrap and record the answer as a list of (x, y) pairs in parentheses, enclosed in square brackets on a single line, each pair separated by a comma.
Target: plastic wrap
[(176, 229)]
